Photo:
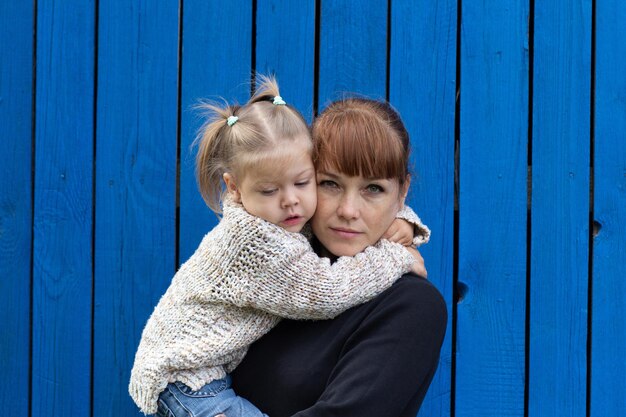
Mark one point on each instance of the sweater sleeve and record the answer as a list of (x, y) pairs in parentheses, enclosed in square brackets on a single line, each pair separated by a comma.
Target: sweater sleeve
[(267, 268), (301, 285), (420, 230)]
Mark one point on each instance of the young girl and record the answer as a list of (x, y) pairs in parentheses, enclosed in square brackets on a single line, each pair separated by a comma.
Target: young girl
[(253, 268)]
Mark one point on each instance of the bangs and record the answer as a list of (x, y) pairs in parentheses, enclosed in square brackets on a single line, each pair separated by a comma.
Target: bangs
[(357, 145)]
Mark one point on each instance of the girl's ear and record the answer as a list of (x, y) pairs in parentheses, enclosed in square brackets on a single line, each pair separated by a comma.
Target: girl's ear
[(231, 187)]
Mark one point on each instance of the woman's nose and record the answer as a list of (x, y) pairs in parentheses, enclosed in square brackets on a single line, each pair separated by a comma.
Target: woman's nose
[(348, 208)]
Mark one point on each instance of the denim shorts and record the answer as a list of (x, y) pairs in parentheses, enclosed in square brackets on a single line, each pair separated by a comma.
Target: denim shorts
[(178, 400)]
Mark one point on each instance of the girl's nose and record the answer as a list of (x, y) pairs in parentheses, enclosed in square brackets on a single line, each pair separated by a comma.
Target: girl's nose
[(290, 198)]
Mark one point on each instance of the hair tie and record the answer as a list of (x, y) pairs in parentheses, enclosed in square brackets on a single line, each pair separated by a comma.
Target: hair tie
[(232, 120), (278, 101)]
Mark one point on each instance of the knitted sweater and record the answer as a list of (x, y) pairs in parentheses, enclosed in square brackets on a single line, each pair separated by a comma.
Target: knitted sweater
[(245, 275)]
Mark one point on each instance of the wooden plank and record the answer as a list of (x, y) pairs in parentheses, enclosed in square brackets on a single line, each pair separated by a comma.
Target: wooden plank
[(285, 46), (608, 327), (216, 62), (136, 150), (16, 83), (353, 49), (62, 270), (422, 88), (490, 364), (560, 209)]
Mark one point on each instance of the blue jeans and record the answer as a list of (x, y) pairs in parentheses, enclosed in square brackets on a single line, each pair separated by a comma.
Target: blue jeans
[(178, 400)]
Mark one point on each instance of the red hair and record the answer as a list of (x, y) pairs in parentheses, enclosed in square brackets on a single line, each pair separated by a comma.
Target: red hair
[(358, 136)]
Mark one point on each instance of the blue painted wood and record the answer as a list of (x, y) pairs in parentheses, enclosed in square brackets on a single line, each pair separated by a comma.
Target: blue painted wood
[(136, 144), (62, 269), (560, 209), (608, 327), (353, 49), (16, 78), (422, 88), (216, 62), (285, 46), (492, 209)]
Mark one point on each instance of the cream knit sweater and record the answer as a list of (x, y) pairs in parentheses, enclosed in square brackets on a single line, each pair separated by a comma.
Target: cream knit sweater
[(244, 277)]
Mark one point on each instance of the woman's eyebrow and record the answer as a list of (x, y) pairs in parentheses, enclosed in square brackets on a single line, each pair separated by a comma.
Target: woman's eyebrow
[(327, 174)]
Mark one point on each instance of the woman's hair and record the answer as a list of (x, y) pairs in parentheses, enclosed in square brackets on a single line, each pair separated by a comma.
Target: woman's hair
[(359, 136), (234, 137)]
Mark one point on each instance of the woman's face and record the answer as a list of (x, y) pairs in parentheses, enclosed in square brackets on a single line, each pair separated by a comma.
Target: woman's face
[(354, 212)]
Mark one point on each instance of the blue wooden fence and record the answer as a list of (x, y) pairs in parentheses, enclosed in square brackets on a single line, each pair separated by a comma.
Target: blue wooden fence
[(517, 111)]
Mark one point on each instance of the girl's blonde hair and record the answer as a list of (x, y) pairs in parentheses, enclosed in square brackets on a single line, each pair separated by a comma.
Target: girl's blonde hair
[(260, 126)]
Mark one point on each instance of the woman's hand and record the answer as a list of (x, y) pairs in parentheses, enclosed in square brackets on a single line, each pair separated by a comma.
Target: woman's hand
[(400, 232), (418, 266)]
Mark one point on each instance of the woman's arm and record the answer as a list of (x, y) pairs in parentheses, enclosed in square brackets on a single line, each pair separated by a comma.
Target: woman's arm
[(389, 361)]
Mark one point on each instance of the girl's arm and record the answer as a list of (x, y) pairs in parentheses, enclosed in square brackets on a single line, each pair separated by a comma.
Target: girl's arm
[(265, 267), (421, 233)]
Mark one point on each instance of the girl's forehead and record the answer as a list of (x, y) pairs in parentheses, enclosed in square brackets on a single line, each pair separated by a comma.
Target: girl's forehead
[(279, 162)]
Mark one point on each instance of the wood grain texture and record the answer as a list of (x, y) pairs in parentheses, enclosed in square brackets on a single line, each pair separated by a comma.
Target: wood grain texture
[(285, 46), (422, 88), (353, 49), (216, 63), (16, 102), (608, 327), (560, 209), (62, 253), (492, 209), (136, 145)]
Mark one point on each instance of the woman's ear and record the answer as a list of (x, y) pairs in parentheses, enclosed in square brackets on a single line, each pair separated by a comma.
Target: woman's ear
[(404, 188), (231, 187)]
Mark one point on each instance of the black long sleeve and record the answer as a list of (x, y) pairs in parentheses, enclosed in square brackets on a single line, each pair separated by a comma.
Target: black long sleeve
[(376, 359)]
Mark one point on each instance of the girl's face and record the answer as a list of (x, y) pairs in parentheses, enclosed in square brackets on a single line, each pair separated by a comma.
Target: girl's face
[(354, 212), (281, 190)]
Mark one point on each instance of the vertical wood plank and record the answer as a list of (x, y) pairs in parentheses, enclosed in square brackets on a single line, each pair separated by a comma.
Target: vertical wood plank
[(490, 363), (608, 327), (62, 270), (285, 46), (353, 49), (422, 87), (16, 83), (216, 62), (135, 185), (560, 209)]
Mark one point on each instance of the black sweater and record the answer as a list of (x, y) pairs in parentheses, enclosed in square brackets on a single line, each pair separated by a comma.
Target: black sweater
[(376, 359)]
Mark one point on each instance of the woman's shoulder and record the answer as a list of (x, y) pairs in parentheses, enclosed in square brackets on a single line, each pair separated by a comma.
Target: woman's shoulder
[(415, 296)]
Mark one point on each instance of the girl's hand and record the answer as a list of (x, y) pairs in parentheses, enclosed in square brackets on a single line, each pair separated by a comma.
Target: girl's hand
[(418, 266), (400, 232)]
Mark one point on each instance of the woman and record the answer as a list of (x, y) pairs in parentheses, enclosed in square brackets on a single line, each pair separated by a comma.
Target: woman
[(376, 359)]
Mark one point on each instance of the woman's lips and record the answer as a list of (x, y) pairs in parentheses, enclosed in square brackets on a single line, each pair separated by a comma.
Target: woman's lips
[(345, 233)]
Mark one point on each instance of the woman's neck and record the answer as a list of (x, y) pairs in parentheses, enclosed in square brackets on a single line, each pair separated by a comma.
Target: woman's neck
[(321, 251)]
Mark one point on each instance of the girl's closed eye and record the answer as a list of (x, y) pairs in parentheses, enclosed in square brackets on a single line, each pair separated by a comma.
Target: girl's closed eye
[(303, 183), (268, 191)]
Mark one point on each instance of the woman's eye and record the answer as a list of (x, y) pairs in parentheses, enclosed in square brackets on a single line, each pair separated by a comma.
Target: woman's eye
[(374, 189), (328, 184)]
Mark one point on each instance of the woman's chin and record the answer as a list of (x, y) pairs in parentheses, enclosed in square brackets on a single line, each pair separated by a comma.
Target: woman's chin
[(345, 249)]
